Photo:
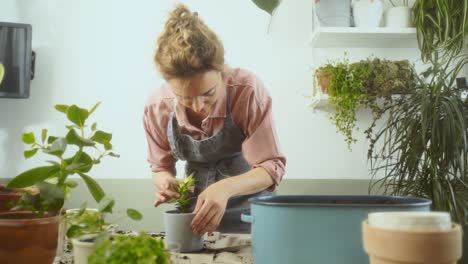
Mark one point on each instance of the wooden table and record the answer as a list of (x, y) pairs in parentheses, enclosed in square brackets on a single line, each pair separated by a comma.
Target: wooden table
[(219, 249)]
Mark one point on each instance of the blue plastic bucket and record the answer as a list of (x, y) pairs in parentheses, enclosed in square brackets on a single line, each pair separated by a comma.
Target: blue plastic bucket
[(317, 229)]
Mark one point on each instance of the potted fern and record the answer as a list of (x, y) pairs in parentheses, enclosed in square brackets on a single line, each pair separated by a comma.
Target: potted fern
[(30, 231), (179, 234)]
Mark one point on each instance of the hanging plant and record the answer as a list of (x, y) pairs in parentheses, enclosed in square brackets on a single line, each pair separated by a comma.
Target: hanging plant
[(362, 83)]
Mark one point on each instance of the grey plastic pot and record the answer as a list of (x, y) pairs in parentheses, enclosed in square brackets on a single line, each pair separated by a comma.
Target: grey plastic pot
[(179, 234), (317, 229)]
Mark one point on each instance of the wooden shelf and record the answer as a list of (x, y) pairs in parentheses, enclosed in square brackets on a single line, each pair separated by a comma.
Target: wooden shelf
[(352, 37)]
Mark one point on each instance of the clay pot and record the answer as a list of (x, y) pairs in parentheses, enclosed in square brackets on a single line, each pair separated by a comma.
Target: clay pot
[(386, 246), (9, 198), (323, 78), (27, 239)]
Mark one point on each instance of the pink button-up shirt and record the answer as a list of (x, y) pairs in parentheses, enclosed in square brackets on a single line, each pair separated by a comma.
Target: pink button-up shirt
[(251, 110)]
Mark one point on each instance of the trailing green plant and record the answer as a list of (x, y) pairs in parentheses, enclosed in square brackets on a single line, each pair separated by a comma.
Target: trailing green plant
[(422, 148), (140, 249), (86, 221), (184, 189), (350, 85), (442, 26), (52, 180)]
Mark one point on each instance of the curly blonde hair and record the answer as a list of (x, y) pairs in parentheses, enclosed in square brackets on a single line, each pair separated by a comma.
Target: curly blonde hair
[(187, 46)]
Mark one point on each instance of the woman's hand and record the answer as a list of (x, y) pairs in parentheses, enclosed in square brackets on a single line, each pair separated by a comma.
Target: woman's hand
[(165, 182), (210, 208)]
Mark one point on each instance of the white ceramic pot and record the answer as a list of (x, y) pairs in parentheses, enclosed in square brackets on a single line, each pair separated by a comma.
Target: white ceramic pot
[(83, 249), (333, 13), (179, 234), (398, 17), (367, 13)]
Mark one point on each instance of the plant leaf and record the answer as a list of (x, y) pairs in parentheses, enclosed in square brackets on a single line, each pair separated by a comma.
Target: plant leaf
[(74, 139), (101, 137), (267, 5), (58, 147), (51, 139), (74, 231), (106, 204), (112, 154), (94, 188), (94, 108), (33, 176), (28, 138), (71, 184), (44, 135), (62, 108), (81, 162), (93, 127), (77, 115), (29, 153), (134, 214)]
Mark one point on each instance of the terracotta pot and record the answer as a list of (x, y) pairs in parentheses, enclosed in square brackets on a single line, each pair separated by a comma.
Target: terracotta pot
[(8, 199), (323, 78), (385, 246), (26, 239)]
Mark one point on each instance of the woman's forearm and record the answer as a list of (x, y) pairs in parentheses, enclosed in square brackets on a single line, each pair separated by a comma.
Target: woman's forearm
[(253, 181)]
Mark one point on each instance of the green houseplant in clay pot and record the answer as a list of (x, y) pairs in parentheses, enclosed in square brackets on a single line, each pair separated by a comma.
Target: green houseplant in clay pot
[(179, 234), (134, 249), (87, 228), (370, 83), (36, 226)]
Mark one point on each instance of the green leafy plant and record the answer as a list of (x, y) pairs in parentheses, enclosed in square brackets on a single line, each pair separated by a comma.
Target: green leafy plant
[(423, 148), (93, 222), (442, 26), (141, 249), (52, 180), (350, 85), (183, 188)]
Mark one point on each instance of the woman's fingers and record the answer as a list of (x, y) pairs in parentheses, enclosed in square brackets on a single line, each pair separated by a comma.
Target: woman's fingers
[(214, 223), (200, 215), (208, 222), (162, 197)]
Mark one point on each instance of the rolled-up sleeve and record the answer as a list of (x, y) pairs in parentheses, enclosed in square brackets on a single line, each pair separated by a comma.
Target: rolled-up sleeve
[(155, 120), (261, 147)]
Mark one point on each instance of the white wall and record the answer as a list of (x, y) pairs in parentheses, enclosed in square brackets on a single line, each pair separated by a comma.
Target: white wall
[(101, 50)]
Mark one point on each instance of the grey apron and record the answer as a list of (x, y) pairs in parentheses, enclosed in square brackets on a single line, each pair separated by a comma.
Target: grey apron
[(213, 159)]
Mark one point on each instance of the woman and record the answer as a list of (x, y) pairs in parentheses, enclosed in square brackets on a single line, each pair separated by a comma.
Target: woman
[(216, 118)]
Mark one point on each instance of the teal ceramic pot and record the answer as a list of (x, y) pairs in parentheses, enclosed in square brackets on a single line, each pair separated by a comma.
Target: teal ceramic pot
[(317, 229)]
